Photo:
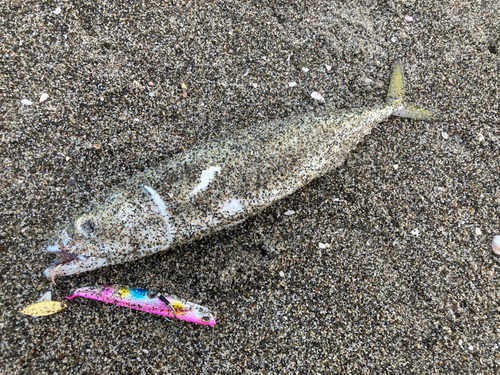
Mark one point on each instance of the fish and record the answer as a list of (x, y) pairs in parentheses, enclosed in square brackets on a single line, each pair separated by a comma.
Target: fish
[(218, 184), (151, 302)]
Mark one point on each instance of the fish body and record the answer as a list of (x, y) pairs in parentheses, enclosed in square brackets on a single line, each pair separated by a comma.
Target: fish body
[(143, 300), (217, 185)]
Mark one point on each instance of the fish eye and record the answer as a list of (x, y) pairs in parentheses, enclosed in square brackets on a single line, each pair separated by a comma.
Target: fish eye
[(205, 318), (86, 226)]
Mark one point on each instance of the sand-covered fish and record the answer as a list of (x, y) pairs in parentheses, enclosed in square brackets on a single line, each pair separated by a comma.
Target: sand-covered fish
[(217, 184)]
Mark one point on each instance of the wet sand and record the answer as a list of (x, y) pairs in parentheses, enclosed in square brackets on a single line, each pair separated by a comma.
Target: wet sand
[(407, 281)]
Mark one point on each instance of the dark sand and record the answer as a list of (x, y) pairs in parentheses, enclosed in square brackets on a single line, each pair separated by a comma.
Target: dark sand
[(409, 282)]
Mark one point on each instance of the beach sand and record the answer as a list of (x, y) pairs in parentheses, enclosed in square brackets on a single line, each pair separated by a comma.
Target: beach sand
[(408, 281)]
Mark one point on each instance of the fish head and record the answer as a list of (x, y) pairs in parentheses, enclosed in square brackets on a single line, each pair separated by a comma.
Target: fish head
[(125, 227)]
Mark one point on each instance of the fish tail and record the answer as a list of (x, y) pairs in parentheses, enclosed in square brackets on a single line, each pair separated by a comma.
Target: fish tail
[(396, 96)]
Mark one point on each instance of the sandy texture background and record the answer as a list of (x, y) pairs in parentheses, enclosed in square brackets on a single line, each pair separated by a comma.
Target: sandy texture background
[(409, 282)]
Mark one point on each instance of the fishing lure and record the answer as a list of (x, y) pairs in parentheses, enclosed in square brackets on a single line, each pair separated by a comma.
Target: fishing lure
[(218, 184), (143, 300)]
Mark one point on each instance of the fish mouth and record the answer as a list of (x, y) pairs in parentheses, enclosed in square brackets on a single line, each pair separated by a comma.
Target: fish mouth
[(70, 263)]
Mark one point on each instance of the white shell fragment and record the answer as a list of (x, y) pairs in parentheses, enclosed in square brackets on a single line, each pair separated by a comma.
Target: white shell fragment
[(324, 245), (496, 245), (26, 102), (415, 232), (44, 97), (289, 212), (408, 18), (292, 84), (328, 67), (255, 85), (46, 297), (282, 274), (304, 69), (478, 232), (445, 135), (317, 96), (58, 10)]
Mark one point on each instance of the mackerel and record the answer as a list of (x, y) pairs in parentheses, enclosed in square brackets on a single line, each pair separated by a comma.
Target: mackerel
[(218, 184)]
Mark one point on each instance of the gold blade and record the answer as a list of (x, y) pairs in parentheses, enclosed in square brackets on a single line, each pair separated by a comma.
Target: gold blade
[(43, 308)]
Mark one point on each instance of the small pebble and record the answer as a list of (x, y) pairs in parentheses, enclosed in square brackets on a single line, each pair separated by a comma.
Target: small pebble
[(305, 69), (328, 67), (58, 10), (255, 85), (415, 232), (408, 18), (151, 83), (282, 274), (292, 84), (184, 86), (478, 232), (289, 212), (445, 135), (71, 182), (26, 102)]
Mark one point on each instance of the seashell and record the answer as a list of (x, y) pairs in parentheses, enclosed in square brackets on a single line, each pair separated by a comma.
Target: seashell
[(26, 102), (44, 97), (58, 10), (328, 67), (408, 18), (305, 70), (445, 135), (289, 212), (496, 245), (292, 84), (317, 96), (46, 297)]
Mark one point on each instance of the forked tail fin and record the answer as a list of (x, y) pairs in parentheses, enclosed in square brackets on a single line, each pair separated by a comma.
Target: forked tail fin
[(396, 94)]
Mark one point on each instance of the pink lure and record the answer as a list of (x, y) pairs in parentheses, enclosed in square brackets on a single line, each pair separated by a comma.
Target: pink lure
[(140, 299)]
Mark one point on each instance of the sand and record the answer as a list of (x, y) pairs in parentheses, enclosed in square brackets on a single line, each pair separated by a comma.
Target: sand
[(407, 281)]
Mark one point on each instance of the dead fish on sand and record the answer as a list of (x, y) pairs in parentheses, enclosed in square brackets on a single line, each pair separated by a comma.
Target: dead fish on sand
[(218, 184)]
